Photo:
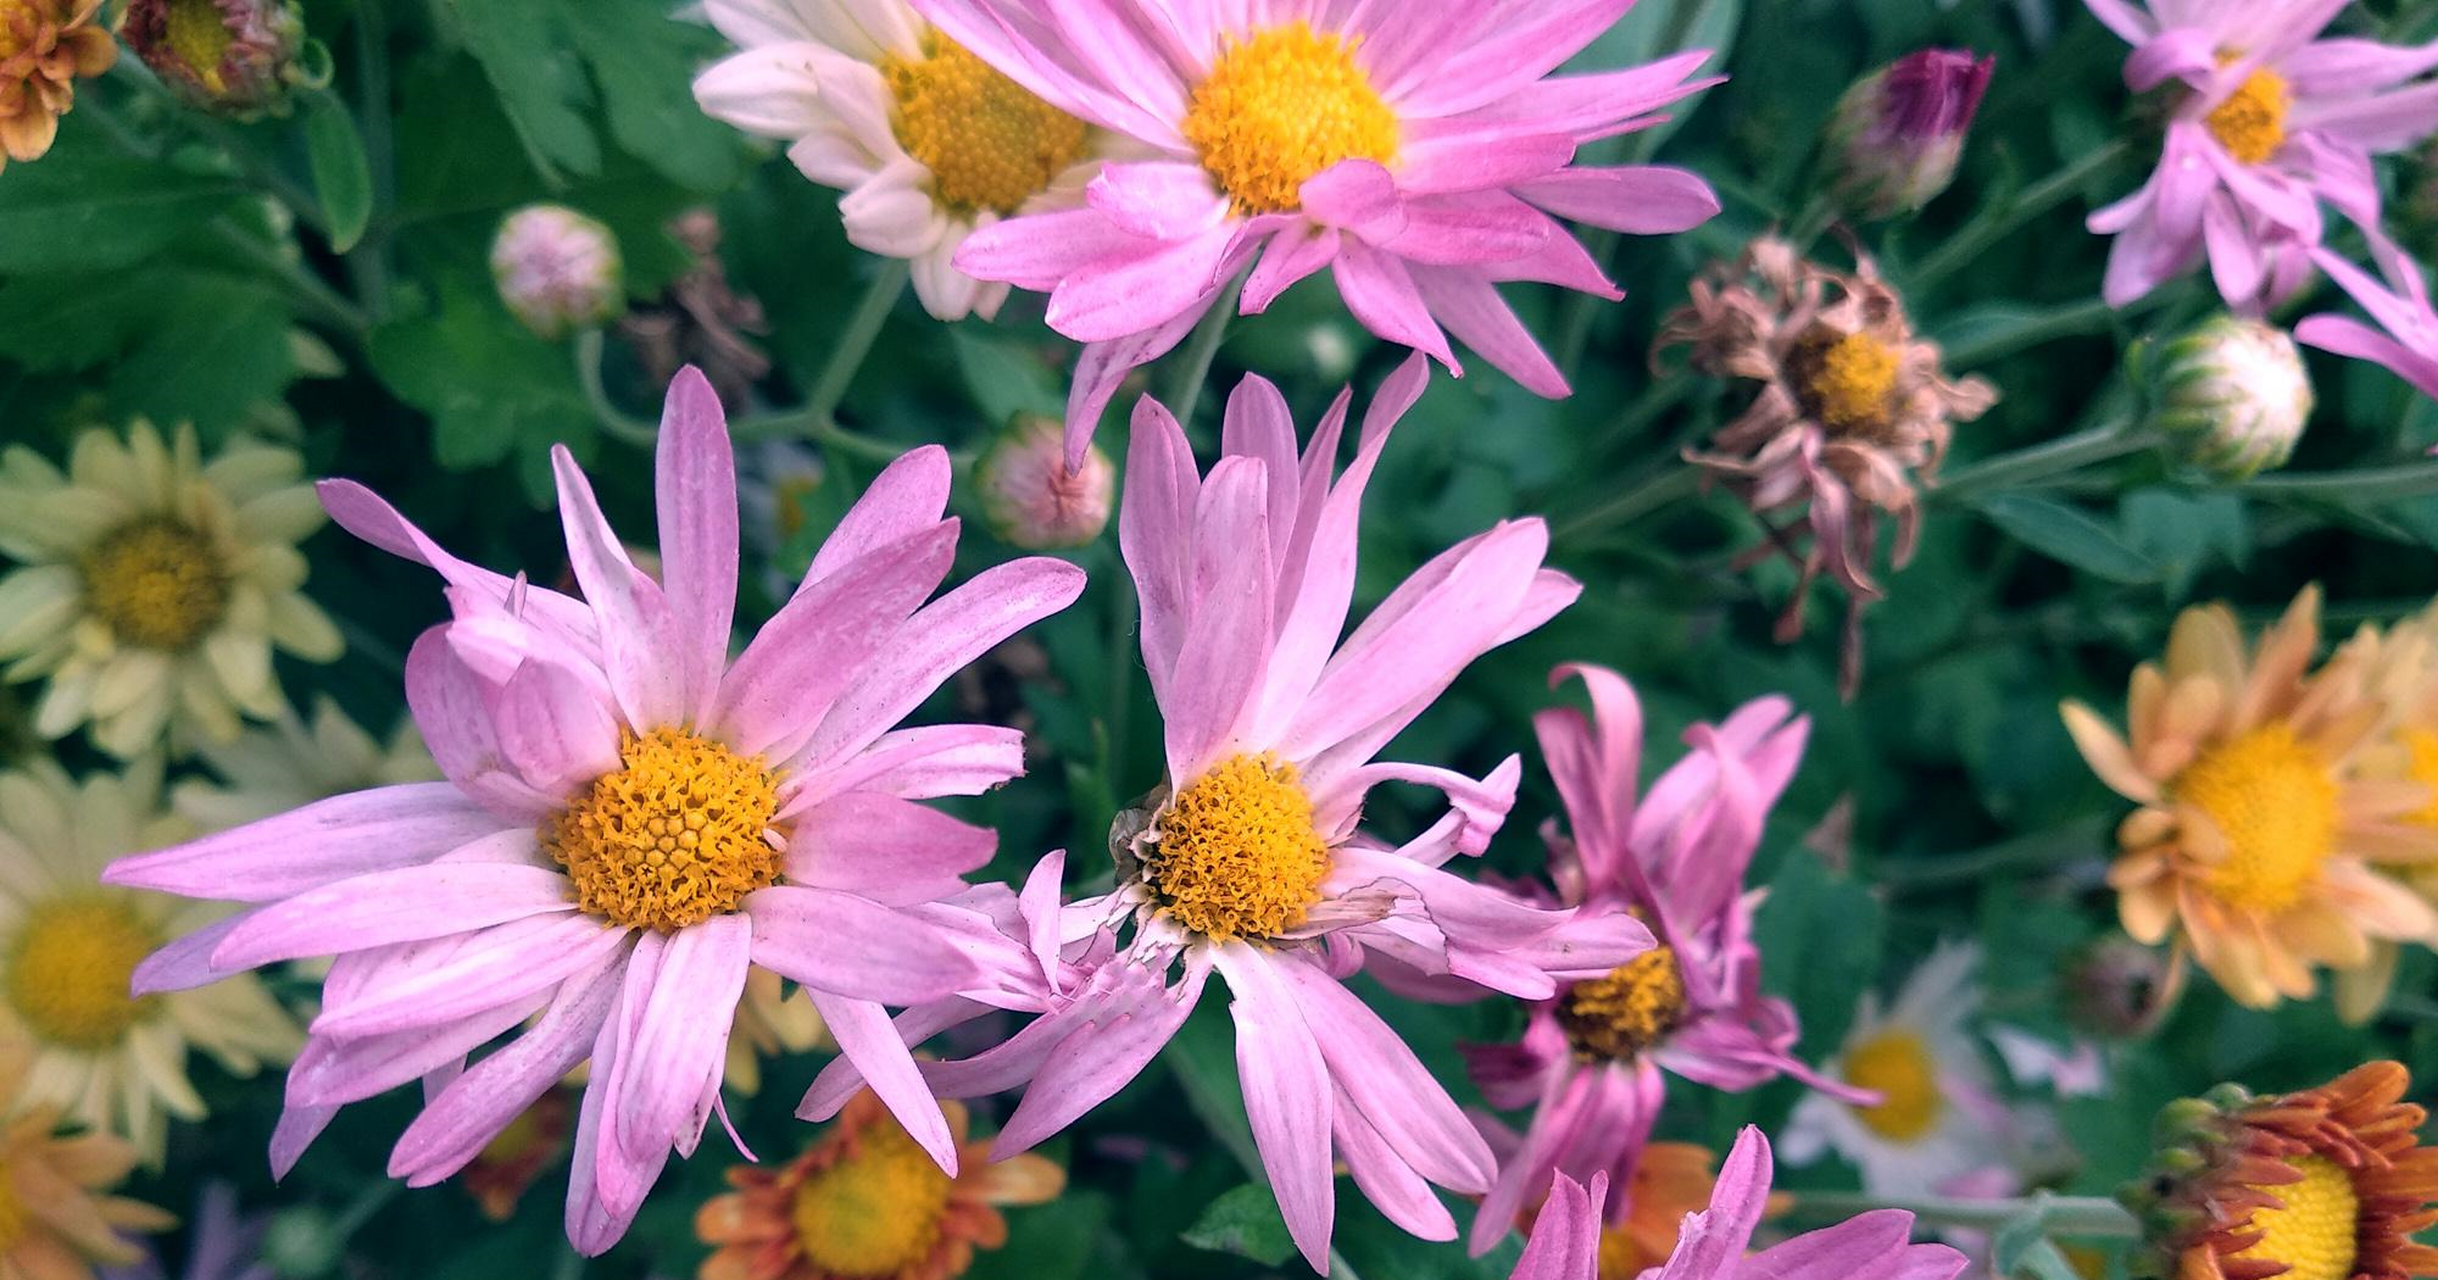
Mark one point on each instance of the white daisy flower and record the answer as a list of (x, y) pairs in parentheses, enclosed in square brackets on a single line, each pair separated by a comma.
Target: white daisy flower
[(928, 143), (154, 586), (291, 763), (1939, 1118), (69, 946)]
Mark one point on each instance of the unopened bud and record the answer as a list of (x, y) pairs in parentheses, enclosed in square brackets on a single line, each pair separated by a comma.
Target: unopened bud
[(2232, 395), (1029, 496), (557, 269), (1897, 133), (234, 57)]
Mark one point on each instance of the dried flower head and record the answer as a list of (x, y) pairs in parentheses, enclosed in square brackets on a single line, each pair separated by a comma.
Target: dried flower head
[(701, 320), (44, 46), (2326, 1184), (1852, 408), (235, 57)]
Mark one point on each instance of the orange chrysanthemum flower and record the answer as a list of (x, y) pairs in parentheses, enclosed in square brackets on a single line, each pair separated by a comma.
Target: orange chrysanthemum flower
[(2252, 851), (2326, 1184), (866, 1203), (52, 1222), (1671, 1180), (44, 46)]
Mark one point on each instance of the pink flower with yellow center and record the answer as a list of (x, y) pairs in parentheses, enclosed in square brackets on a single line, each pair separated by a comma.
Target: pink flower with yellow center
[(1421, 153), (2270, 121), (1876, 1245), (1251, 860), (631, 821), (2402, 336)]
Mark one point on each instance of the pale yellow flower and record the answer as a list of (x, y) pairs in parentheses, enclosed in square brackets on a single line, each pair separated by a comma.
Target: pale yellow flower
[(291, 763)]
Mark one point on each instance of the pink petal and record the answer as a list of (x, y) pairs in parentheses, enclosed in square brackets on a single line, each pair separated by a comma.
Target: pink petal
[(1258, 425), (681, 1042), (404, 905), (1519, 49), (330, 1073), (1286, 1094), (1097, 1059), (326, 841), (1474, 161), (1104, 365), (1161, 200), (1401, 1195), (1874, 1244), (892, 851), (1391, 1088), (1357, 196), (454, 716), (361, 512), (2344, 67), (1227, 641), (455, 1127), (1469, 305), (1565, 1240), (1140, 290), (906, 498), (2182, 53), (1155, 533), (853, 947), (1292, 254), (1380, 292), (865, 1036), (1643, 200), (695, 492), (1470, 227), (555, 728), (922, 763), (1711, 1242), (639, 635), (512, 960)]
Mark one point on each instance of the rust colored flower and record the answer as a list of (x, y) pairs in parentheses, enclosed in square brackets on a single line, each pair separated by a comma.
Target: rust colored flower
[(2326, 1184), (44, 46), (866, 1203), (236, 57), (1852, 411), (1671, 1180)]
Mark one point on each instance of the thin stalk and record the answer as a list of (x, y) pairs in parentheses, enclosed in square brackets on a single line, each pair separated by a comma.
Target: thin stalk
[(863, 329), (2069, 321), (2086, 1216), (368, 265), (257, 167), (2023, 853), (613, 420), (2000, 221), (310, 292), (1193, 366), (2366, 487), (1675, 482), (2112, 439)]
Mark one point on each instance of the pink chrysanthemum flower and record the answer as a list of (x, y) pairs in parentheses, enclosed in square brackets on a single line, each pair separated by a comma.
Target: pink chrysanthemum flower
[(631, 821), (1868, 1246), (1594, 1058), (1250, 859), (2271, 121), (1418, 151), (1565, 1239), (2403, 334)]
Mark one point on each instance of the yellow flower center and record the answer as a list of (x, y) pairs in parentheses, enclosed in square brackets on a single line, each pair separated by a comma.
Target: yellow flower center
[(2251, 123), (1896, 1065), (680, 834), (1281, 107), (199, 37), (2275, 807), (2315, 1233), (69, 966), (876, 1211), (157, 582), (1846, 383), (1236, 854), (989, 143), (1628, 1011)]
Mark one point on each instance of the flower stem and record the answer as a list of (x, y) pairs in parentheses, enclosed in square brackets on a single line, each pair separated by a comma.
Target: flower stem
[(855, 343), (2071, 320), (2088, 1216), (2368, 487), (2113, 439), (308, 291), (1672, 483), (368, 264), (1193, 367), (613, 420), (2001, 220)]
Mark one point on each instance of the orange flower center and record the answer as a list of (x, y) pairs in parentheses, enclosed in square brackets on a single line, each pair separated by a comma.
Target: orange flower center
[(874, 1212), (2315, 1234), (1896, 1065), (157, 582), (2251, 123), (1282, 106), (2270, 797), (68, 970), (1847, 383), (1236, 853), (989, 143), (1627, 1011), (678, 835)]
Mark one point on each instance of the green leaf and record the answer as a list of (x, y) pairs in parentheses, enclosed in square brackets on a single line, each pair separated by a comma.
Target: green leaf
[(1003, 378), (1244, 1222), (490, 388), (1055, 1241), (214, 351), (543, 90), (341, 175), (54, 324), (2022, 1248), (644, 63), (2062, 533), (1819, 937), (78, 211)]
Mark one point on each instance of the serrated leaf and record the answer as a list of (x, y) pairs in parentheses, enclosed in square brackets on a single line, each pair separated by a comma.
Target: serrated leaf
[(542, 90), (342, 178), (1244, 1222), (2064, 534), (87, 211), (214, 350), (644, 63)]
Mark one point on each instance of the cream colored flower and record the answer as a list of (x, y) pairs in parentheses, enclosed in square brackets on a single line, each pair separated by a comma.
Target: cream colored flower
[(69, 947), (53, 1223), (289, 764), (154, 586)]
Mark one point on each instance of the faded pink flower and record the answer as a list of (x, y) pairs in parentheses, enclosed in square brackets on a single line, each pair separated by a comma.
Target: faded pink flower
[(1251, 860), (2269, 122), (1594, 1058), (630, 822), (1868, 1246), (1420, 152), (2403, 334)]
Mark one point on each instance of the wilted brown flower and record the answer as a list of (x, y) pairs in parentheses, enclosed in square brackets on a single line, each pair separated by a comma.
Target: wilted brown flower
[(700, 320), (1852, 409), (44, 46)]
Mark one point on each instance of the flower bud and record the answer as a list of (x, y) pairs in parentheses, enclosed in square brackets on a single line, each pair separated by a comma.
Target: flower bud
[(234, 57), (1897, 133), (2119, 988), (2232, 396), (1029, 496), (557, 269)]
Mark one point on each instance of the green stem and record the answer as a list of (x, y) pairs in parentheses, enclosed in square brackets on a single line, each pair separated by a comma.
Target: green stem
[(2023, 853), (2112, 439), (258, 168), (361, 1210), (615, 421), (2088, 1216), (1193, 366), (855, 342), (1675, 482), (2367, 487), (2001, 220), (2071, 320), (369, 263), (312, 295)]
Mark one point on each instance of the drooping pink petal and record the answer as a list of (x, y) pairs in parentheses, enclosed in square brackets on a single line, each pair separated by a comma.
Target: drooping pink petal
[(865, 1035), (1098, 1058), (471, 1112), (676, 1049), (328, 840), (1390, 1086), (695, 493), (1155, 533), (1286, 1093)]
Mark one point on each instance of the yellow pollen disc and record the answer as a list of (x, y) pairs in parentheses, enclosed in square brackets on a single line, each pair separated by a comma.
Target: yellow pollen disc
[(157, 582), (2251, 123), (1896, 1065), (1846, 383), (1629, 1010), (1281, 107), (1236, 854), (68, 970), (989, 143), (2274, 805), (199, 36), (677, 836), (873, 1213), (2315, 1233)]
